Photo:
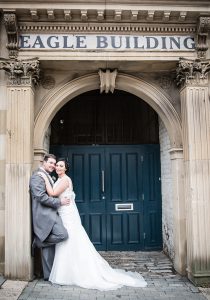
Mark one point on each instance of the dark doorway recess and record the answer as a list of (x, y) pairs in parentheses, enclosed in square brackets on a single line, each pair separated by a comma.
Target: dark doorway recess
[(105, 119), (112, 144)]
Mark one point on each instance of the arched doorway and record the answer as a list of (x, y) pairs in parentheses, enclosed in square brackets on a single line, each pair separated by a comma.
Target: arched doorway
[(160, 102), (112, 143)]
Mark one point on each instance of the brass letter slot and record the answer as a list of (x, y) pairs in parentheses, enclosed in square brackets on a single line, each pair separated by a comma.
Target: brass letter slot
[(124, 206)]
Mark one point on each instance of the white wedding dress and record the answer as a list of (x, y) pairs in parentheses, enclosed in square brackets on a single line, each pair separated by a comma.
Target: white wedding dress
[(78, 263)]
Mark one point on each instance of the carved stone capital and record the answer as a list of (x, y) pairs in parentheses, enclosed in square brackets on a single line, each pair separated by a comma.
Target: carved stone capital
[(21, 72), (202, 35), (10, 22), (190, 72), (107, 80)]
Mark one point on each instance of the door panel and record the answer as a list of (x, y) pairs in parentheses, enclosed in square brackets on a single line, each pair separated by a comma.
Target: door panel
[(109, 179), (134, 229), (123, 168), (152, 198), (132, 176), (86, 164)]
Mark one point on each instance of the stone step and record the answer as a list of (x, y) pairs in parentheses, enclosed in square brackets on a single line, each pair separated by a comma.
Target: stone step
[(2, 280)]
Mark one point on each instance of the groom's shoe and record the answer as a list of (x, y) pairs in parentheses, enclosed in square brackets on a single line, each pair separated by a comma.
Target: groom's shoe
[(46, 279)]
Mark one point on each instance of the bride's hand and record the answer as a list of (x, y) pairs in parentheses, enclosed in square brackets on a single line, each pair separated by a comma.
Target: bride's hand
[(65, 201)]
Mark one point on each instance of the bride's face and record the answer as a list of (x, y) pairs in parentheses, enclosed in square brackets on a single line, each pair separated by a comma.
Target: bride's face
[(60, 168)]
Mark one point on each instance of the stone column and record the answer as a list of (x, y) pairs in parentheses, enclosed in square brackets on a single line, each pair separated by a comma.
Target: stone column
[(179, 217), (3, 107), (195, 110), (19, 160), (2, 167)]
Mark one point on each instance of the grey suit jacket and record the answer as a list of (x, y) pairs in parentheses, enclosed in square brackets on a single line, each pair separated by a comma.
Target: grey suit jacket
[(44, 208)]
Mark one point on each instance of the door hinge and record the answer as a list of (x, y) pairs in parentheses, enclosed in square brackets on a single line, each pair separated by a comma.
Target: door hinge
[(142, 158), (144, 235)]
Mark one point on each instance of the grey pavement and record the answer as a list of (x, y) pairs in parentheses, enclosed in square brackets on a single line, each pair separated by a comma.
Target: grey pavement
[(157, 269)]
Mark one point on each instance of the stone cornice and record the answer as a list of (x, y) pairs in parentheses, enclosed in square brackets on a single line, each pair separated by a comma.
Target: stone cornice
[(191, 72), (21, 72), (113, 12), (106, 28)]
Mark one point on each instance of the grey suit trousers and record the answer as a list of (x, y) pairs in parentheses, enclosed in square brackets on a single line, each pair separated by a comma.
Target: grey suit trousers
[(57, 235)]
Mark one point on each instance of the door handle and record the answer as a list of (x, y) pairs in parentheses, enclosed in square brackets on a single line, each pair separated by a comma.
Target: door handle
[(102, 181)]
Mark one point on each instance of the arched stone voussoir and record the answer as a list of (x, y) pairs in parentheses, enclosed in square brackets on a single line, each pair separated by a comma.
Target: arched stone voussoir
[(146, 91)]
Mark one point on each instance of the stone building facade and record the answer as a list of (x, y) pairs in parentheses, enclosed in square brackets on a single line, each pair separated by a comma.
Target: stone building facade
[(52, 52)]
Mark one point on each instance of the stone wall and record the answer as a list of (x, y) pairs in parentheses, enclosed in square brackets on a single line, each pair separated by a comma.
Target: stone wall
[(166, 188)]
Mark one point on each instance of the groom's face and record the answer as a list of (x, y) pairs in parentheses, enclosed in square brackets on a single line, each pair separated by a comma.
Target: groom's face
[(49, 165)]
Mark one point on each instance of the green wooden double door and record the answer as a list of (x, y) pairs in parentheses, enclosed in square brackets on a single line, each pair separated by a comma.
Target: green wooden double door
[(118, 194)]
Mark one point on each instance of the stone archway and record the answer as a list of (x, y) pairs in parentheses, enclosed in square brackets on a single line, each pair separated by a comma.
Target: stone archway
[(151, 94), (161, 103)]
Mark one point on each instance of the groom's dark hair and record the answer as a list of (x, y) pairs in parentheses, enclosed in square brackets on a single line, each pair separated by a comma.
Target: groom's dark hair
[(47, 156)]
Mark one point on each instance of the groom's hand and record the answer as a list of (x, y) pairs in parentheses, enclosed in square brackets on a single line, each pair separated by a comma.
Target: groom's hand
[(65, 201)]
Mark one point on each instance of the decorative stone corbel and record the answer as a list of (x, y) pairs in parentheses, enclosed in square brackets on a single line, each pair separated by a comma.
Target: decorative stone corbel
[(10, 21), (202, 35), (192, 71), (107, 80), (21, 72)]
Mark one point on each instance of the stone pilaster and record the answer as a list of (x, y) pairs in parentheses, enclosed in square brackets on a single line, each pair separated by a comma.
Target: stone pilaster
[(195, 109), (179, 215), (2, 167), (19, 160)]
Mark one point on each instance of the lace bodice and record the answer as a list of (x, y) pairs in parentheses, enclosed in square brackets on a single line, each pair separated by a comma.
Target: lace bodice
[(66, 209)]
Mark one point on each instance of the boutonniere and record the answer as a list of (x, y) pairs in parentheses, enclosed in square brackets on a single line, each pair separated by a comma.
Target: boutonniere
[(54, 178)]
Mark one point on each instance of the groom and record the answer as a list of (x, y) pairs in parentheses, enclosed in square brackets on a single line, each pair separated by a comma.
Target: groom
[(47, 224)]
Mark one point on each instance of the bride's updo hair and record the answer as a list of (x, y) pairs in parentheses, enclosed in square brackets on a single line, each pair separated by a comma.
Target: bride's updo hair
[(65, 162)]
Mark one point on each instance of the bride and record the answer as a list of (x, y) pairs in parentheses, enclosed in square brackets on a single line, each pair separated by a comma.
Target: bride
[(76, 260)]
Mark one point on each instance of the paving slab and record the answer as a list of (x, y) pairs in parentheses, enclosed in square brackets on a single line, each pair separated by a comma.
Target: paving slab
[(163, 282)]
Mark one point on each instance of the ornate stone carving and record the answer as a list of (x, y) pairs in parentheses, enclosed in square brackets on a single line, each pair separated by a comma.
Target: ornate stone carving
[(192, 71), (11, 26), (107, 80), (67, 14), (100, 15), (48, 82), (50, 14), (202, 36), (21, 72), (165, 81)]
